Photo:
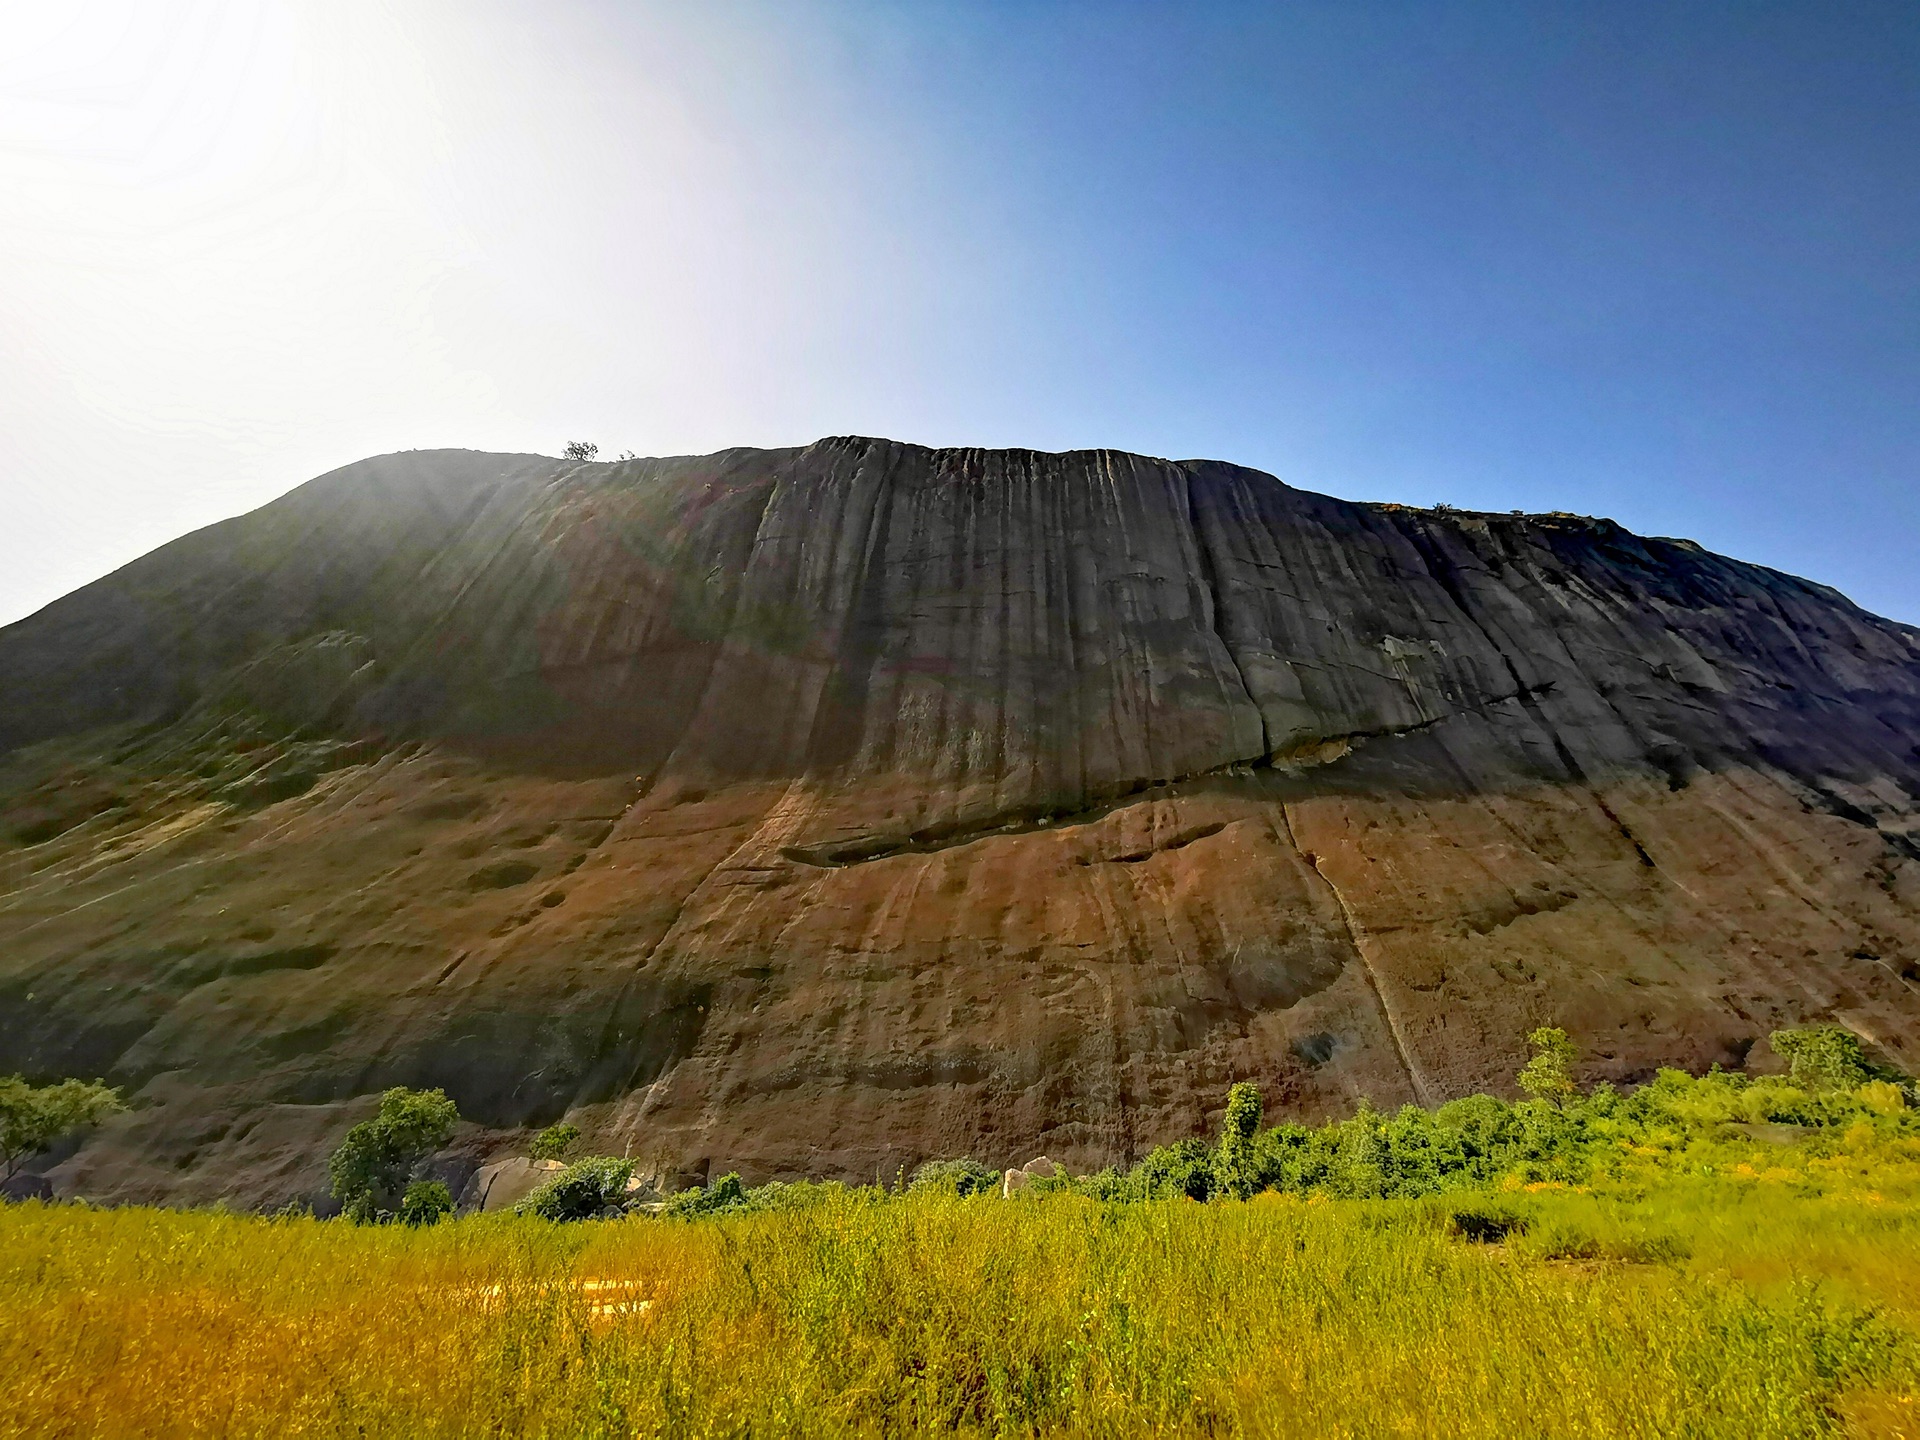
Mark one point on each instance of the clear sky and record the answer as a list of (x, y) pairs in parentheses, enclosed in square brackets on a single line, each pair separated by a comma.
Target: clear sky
[(1655, 261)]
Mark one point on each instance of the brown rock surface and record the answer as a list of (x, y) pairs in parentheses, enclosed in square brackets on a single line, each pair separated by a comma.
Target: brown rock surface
[(820, 811)]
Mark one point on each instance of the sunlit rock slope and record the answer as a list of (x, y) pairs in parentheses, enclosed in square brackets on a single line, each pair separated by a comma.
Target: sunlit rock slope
[(822, 810)]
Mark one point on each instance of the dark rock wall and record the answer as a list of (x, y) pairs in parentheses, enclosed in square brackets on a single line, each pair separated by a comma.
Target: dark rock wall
[(824, 809)]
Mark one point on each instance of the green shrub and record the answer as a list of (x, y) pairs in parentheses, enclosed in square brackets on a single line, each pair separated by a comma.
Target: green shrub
[(425, 1202), (1182, 1168), (777, 1195), (1549, 1074), (1235, 1164), (962, 1177), (1112, 1183), (554, 1141), (1784, 1103), (724, 1195), (586, 1190), (1823, 1057), (1474, 1143), (373, 1165)]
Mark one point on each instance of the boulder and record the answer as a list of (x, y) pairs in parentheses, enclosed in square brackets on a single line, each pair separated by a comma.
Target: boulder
[(505, 1183), (27, 1187), (1039, 1168)]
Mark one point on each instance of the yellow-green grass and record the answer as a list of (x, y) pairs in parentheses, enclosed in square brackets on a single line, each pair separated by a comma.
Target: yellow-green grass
[(1748, 1291)]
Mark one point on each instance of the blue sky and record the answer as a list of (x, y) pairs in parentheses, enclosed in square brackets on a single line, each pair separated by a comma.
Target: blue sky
[(1659, 262)]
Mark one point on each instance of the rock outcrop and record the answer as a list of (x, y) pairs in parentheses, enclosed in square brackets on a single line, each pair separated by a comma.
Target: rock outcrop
[(1013, 1181), (820, 811)]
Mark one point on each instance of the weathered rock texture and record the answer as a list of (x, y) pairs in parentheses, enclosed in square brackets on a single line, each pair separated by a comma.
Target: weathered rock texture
[(820, 811)]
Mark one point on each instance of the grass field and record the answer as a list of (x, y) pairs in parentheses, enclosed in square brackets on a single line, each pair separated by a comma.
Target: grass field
[(1740, 1289), (1722, 1255)]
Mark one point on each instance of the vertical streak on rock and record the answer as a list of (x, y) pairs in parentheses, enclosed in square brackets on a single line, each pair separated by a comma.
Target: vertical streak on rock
[(1632, 839), (1442, 569), (1210, 580), (731, 640), (1421, 1091), (1782, 867), (1579, 772), (725, 625), (1447, 573), (837, 731)]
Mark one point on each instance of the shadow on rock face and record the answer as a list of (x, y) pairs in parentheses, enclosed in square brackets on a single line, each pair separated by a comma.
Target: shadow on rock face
[(804, 809)]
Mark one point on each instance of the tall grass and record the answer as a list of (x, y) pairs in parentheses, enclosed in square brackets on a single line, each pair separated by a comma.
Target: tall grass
[(1704, 1305), (1590, 1264)]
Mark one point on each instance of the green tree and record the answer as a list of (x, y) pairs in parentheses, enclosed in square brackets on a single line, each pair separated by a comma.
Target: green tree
[(1823, 1057), (1549, 1074), (371, 1169), (554, 1141), (581, 450), (1234, 1160), (31, 1119)]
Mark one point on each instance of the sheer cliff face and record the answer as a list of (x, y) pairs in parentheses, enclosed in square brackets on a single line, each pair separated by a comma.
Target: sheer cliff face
[(820, 811)]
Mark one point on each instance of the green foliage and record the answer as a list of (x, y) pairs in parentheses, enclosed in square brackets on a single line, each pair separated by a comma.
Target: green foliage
[(1479, 1143), (586, 1190), (371, 1169), (554, 1141), (33, 1119), (725, 1195), (962, 1177), (1234, 1168), (580, 450), (1549, 1074), (1468, 1146), (425, 1202), (1823, 1057), (1184, 1168), (784, 1195)]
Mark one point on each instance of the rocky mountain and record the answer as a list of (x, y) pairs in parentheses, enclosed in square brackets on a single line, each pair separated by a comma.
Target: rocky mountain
[(823, 810)]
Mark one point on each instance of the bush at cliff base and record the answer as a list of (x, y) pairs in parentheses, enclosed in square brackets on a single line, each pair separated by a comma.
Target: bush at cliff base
[(586, 1190)]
